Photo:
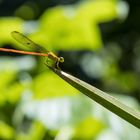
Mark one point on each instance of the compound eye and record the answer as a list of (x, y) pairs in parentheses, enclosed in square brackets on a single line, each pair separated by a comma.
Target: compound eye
[(61, 59)]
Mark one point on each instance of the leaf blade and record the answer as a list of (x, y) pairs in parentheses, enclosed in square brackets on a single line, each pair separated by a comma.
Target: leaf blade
[(109, 102)]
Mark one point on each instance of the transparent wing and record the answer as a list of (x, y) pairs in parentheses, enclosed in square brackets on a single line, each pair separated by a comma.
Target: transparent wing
[(22, 39)]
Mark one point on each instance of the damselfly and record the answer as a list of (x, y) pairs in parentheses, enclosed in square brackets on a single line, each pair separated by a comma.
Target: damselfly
[(29, 43)]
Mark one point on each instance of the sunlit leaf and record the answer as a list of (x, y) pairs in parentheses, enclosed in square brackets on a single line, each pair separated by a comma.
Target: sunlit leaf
[(90, 10), (6, 77), (7, 25), (72, 28), (6, 131), (14, 92), (48, 85), (88, 129)]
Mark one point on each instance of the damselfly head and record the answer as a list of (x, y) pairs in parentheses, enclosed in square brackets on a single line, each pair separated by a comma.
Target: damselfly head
[(61, 59)]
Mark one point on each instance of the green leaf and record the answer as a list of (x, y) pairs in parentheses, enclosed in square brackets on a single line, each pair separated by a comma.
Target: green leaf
[(13, 93), (5, 29), (6, 131), (130, 115), (88, 129), (48, 85), (75, 27)]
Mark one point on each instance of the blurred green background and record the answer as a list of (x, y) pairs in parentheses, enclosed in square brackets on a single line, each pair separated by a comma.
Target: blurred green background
[(100, 41)]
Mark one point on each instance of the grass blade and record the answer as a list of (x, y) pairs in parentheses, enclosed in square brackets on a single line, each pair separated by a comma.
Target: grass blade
[(130, 115)]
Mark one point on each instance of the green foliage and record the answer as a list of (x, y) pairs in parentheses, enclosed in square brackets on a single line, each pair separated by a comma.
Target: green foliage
[(7, 25), (68, 27), (45, 85), (125, 82), (36, 132), (88, 129), (6, 131), (10, 89), (75, 27), (14, 92)]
